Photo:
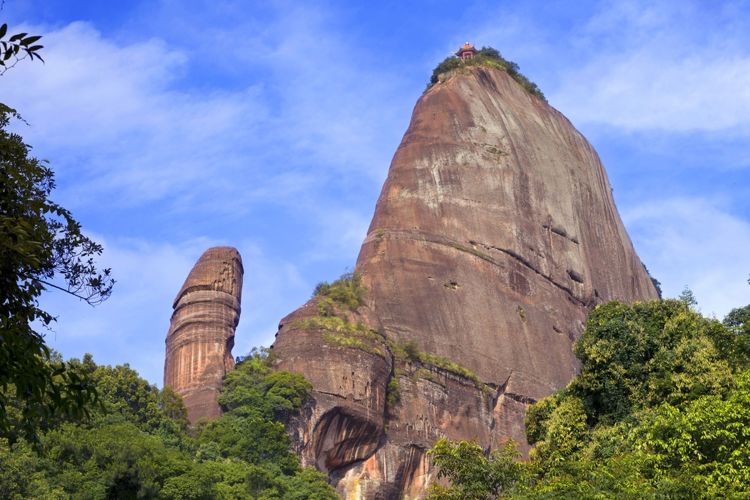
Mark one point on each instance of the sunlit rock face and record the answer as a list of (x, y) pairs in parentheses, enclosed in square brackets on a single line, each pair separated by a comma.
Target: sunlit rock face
[(494, 236), (201, 332)]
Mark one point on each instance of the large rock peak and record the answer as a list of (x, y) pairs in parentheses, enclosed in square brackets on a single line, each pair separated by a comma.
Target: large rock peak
[(494, 236), (495, 233), (201, 332)]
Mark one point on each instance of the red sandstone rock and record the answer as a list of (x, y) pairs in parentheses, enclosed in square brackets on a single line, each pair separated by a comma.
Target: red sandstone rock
[(201, 332), (494, 236)]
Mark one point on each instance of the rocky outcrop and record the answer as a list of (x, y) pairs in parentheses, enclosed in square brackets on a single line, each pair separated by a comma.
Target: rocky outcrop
[(494, 236), (201, 332)]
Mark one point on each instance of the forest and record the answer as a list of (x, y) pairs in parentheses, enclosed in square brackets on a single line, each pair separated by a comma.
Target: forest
[(136, 442), (661, 408)]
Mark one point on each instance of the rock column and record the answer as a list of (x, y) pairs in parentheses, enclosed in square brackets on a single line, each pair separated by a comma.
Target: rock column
[(201, 332)]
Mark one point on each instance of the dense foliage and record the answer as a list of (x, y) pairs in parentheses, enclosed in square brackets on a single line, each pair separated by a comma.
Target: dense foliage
[(486, 56), (41, 246), (473, 474), (347, 291), (661, 408), (137, 443), (40, 241)]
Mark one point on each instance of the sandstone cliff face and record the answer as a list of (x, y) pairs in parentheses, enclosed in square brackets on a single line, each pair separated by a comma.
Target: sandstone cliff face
[(494, 235), (201, 332)]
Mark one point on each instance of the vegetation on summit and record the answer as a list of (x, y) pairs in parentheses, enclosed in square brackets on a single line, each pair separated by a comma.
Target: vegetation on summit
[(489, 57)]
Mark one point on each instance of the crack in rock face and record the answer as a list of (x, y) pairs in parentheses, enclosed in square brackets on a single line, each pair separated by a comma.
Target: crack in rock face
[(494, 235), (201, 331)]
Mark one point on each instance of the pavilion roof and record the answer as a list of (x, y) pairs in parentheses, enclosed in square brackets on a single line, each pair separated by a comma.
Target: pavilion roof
[(467, 47)]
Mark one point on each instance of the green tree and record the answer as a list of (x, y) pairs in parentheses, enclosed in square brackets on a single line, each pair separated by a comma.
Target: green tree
[(258, 401), (254, 389), (688, 297), (640, 355), (474, 475), (661, 409), (706, 440), (41, 246), (738, 320), (346, 291), (136, 446)]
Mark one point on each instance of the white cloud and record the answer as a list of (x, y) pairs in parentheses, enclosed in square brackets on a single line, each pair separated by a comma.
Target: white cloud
[(132, 324), (302, 127), (109, 116), (642, 89), (670, 66), (335, 105), (270, 285), (130, 139), (119, 131), (342, 232), (694, 242), (124, 124)]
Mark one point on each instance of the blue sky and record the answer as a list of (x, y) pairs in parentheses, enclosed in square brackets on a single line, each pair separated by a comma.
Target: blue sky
[(269, 126)]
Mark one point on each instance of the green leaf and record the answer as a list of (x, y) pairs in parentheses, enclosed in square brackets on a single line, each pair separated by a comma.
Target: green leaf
[(3, 30), (17, 37), (29, 40)]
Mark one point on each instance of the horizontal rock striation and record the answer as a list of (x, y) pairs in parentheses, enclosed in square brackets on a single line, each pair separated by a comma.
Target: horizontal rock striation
[(201, 332), (494, 236)]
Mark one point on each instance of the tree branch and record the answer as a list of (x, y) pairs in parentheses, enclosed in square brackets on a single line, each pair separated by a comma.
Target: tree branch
[(85, 299)]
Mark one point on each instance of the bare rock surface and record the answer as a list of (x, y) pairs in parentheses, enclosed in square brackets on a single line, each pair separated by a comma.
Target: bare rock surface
[(493, 237), (201, 332)]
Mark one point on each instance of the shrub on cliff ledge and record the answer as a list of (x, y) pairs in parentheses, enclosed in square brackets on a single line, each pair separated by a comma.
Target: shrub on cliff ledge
[(347, 291), (489, 57)]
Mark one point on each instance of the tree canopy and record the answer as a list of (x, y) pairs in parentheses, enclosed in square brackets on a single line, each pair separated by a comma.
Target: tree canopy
[(137, 444), (41, 246), (661, 408)]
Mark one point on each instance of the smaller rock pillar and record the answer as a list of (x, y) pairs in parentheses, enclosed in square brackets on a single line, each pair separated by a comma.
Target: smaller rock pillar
[(201, 332)]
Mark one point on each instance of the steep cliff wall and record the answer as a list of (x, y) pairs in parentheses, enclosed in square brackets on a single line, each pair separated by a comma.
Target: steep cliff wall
[(201, 332), (494, 235)]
